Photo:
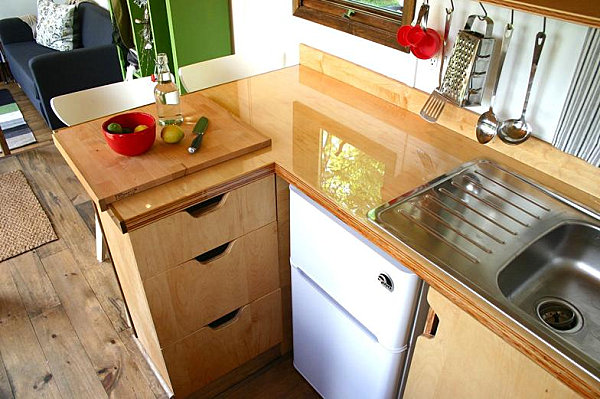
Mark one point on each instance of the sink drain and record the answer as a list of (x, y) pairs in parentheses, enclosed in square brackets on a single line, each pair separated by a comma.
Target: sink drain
[(559, 315)]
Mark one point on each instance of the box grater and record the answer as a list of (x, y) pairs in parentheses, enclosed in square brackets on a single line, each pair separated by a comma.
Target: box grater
[(464, 80)]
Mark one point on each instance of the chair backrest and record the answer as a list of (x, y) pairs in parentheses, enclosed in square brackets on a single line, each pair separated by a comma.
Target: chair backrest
[(95, 25), (86, 105), (226, 69)]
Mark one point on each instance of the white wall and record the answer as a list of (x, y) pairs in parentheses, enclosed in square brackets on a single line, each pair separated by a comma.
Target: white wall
[(103, 3), (269, 24), (16, 8)]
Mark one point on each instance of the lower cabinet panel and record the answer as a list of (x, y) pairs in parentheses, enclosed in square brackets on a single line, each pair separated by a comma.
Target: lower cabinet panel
[(220, 347), (466, 360)]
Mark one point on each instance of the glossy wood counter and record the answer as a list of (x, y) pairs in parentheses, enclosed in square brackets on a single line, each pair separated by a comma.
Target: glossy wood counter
[(350, 151)]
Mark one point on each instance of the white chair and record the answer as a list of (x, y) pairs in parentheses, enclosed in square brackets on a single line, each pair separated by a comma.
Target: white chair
[(227, 69), (90, 104)]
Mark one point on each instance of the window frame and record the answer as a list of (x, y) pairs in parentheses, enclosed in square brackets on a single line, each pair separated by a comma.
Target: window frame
[(379, 26)]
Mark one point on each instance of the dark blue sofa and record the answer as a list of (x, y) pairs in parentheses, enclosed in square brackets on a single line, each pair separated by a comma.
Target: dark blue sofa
[(44, 73)]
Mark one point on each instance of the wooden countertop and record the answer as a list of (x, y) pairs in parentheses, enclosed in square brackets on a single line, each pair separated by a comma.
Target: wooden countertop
[(350, 151)]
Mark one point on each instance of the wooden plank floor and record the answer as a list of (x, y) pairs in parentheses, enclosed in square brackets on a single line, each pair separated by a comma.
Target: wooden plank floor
[(63, 326), (64, 331)]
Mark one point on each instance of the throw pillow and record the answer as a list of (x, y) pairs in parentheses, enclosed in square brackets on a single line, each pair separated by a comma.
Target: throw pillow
[(55, 25)]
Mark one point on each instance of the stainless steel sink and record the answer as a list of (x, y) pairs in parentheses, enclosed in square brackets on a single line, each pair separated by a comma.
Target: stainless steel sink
[(531, 253), (556, 282)]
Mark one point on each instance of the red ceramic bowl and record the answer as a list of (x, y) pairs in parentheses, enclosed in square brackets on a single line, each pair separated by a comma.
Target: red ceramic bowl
[(135, 143)]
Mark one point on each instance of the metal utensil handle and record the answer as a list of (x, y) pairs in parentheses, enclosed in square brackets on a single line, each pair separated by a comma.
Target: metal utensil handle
[(424, 10), (446, 32), (508, 31), (489, 24), (540, 38)]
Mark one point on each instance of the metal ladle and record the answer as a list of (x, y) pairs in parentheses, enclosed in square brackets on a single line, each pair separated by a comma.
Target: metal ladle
[(516, 131), (487, 124)]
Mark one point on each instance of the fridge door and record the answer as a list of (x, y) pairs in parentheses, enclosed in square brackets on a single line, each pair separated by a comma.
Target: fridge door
[(373, 287), (334, 352)]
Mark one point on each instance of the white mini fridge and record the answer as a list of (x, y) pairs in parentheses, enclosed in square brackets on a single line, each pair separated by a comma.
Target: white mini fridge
[(353, 308)]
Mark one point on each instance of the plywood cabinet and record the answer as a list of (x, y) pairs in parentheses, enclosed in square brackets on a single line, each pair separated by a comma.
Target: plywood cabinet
[(203, 286), (466, 360), (197, 292)]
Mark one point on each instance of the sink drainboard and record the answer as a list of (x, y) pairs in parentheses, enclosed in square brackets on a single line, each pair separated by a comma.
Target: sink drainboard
[(532, 253)]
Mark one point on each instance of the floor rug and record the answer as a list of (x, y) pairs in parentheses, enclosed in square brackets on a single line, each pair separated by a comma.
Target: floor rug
[(16, 131), (23, 222)]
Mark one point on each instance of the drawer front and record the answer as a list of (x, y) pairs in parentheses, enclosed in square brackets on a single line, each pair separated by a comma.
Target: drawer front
[(211, 352), (180, 237), (191, 295)]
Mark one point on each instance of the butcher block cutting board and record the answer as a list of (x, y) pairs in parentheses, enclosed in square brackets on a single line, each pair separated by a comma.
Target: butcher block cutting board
[(111, 176)]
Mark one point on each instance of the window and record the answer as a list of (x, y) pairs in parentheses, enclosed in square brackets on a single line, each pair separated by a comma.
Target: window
[(376, 20)]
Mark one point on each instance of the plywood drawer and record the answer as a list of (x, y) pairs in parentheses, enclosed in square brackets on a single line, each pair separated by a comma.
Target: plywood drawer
[(187, 297), (178, 238), (211, 352)]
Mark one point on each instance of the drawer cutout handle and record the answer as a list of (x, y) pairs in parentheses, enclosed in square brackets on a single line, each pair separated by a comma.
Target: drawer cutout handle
[(224, 320), (214, 253), (207, 206), (431, 324)]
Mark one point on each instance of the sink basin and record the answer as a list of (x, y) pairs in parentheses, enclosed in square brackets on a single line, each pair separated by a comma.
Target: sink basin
[(564, 263), (556, 282), (528, 251)]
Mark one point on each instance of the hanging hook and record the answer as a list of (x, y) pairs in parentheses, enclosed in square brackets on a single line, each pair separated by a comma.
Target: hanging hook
[(512, 17), (451, 10), (484, 12), (544, 28)]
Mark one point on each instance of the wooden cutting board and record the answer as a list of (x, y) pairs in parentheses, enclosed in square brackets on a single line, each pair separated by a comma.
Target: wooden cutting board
[(112, 176)]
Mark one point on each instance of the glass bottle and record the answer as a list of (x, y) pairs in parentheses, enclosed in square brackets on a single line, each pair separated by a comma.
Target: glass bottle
[(166, 93)]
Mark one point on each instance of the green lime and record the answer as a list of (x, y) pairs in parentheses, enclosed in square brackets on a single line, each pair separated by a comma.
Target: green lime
[(171, 134), (114, 128)]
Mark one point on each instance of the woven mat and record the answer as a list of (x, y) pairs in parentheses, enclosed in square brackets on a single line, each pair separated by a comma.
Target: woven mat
[(23, 223)]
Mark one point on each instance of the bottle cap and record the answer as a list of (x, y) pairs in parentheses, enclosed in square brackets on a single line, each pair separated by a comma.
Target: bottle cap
[(162, 59)]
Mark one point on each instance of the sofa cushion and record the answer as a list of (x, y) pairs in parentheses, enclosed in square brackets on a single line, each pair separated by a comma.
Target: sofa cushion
[(18, 56), (95, 26), (55, 25)]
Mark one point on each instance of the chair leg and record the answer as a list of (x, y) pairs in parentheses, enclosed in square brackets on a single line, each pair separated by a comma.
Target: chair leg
[(3, 144), (99, 240)]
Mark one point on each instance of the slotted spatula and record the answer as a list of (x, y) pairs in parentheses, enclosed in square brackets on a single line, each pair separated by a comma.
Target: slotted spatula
[(433, 107)]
